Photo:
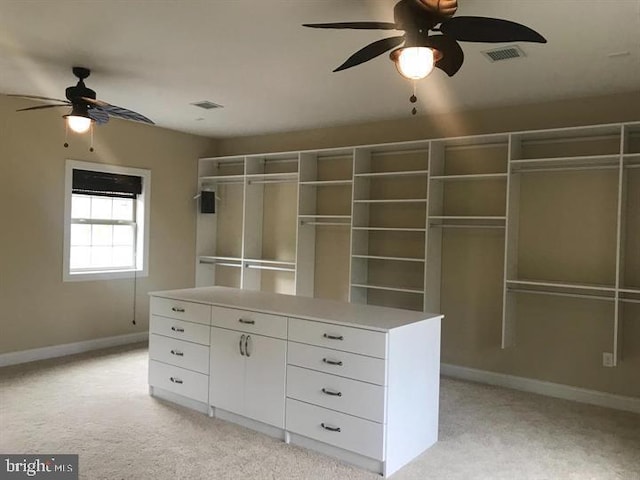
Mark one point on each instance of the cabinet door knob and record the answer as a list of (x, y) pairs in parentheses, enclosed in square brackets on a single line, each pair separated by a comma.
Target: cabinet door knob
[(333, 337), (178, 309), (330, 428), (247, 322), (240, 345), (177, 353), (333, 393), (175, 380), (246, 346), (177, 329), (332, 362)]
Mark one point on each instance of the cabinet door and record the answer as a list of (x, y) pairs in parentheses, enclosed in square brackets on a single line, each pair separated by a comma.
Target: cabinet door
[(226, 375), (265, 380)]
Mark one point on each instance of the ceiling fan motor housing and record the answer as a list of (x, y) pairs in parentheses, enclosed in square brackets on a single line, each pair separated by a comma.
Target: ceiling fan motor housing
[(75, 94)]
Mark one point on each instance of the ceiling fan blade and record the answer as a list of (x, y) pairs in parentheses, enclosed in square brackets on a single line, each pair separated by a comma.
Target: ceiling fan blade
[(118, 112), (98, 115), (36, 97), (452, 54), (491, 30), (355, 25), (371, 51), (40, 107)]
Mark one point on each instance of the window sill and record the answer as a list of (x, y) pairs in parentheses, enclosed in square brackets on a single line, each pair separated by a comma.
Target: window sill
[(103, 275)]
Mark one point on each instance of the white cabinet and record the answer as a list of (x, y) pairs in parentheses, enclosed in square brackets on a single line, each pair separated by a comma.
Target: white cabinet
[(358, 382), (248, 375), (179, 347)]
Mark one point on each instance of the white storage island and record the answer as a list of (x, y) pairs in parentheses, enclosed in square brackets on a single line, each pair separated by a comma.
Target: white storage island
[(358, 382)]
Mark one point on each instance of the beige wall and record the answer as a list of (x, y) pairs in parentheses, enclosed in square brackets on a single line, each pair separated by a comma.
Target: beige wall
[(558, 339), (582, 111), (37, 308)]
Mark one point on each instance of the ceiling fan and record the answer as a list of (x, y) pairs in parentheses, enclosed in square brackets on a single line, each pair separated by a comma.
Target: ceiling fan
[(423, 50), (86, 109)]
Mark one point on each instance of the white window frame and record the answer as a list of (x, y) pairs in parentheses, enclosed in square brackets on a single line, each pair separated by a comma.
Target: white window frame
[(142, 212)]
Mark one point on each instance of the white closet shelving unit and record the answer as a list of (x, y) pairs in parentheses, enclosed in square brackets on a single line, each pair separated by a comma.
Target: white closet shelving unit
[(389, 225), (376, 224), (324, 214)]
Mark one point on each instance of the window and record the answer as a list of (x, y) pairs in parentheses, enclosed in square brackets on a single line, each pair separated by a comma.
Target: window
[(106, 221)]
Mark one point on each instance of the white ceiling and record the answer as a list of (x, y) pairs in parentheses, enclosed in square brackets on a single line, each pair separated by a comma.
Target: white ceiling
[(271, 74)]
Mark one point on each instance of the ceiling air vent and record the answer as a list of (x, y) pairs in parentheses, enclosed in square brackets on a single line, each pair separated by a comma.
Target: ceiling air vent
[(206, 104), (504, 53)]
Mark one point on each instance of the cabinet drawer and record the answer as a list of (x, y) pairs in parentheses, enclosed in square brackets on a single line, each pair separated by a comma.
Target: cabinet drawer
[(178, 380), (350, 365), (338, 337), (179, 353), (250, 322), (192, 312), (170, 327), (356, 398), (351, 433)]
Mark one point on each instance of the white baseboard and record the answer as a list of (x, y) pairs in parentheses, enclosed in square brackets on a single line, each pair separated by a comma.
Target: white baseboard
[(566, 392), (53, 351)]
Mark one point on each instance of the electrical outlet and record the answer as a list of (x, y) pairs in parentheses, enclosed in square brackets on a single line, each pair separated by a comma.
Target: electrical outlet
[(607, 359)]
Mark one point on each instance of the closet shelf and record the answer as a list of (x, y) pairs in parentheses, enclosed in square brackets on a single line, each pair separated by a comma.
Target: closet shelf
[(327, 183), (630, 290), (272, 177), (222, 179), (394, 259), (328, 217), (466, 217), (388, 288), (394, 200), (391, 229), (234, 262), (563, 285), (631, 160), (472, 176), (259, 261), (403, 173), (577, 162)]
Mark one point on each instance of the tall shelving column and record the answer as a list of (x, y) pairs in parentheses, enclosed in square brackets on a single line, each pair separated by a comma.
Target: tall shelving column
[(553, 254), (218, 245), (467, 216), (389, 225), (324, 221), (270, 210), (628, 280)]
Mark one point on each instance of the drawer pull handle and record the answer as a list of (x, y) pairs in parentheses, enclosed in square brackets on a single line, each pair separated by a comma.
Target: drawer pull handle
[(178, 309), (177, 329), (177, 353), (330, 428), (247, 322), (240, 345), (176, 380), (333, 337), (246, 346), (333, 393), (332, 362)]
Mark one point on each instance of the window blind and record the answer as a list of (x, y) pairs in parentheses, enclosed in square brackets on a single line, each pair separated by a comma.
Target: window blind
[(106, 184)]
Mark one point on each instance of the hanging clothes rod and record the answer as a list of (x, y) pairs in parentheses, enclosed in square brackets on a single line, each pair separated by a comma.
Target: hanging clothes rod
[(561, 294), (273, 180), (629, 300), (632, 166), (445, 225), (267, 267), (333, 224), (220, 264)]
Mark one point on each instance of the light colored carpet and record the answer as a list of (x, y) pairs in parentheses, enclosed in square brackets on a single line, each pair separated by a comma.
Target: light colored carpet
[(97, 405)]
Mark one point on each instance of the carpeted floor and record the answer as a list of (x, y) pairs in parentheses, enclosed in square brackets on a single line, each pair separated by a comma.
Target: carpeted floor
[(97, 405)]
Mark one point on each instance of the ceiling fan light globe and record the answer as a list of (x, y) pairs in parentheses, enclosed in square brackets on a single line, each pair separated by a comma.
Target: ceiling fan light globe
[(414, 63), (78, 124)]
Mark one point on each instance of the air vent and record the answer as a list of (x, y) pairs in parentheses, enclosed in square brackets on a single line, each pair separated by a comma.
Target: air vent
[(206, 104), (504, 53)]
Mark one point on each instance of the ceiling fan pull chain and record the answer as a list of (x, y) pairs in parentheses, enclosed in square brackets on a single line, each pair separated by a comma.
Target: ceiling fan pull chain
[(91, 128), (66, 135), (413, 99)]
